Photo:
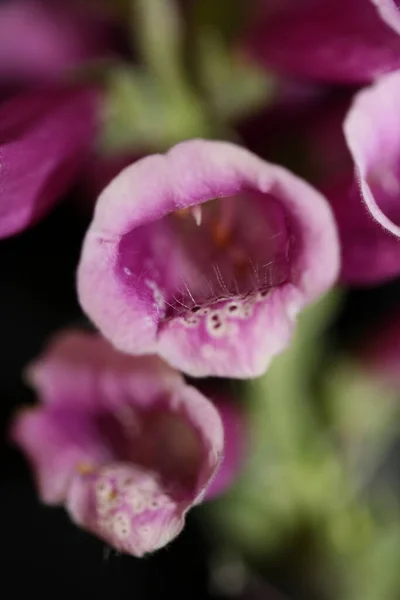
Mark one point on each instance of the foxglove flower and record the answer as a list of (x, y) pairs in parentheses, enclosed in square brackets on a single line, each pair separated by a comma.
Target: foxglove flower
[(332, 40), (124, 443), (372, 131), (205, 256), (45, 137)]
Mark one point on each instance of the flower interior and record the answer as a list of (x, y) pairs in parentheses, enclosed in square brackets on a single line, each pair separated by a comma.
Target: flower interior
[(222, 252)]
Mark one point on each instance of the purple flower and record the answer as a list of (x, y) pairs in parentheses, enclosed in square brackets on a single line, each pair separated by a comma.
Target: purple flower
[(332, 40), (205, 255), (39, 39), (372, 131), (45, 136), (124, 443)]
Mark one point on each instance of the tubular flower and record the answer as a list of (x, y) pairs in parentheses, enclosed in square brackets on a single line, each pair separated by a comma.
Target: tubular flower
[(205, 256)]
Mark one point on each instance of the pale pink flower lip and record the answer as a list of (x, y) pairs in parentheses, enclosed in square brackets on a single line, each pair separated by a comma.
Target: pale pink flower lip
[(122, 442), (204, 256), (372, 130)]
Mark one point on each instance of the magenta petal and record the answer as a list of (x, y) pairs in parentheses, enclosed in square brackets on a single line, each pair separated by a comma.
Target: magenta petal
[(45, 137), (372, 130), (122, 442), (211, 297), (332, 40), (370, 254), (235, 442), (41, 38)]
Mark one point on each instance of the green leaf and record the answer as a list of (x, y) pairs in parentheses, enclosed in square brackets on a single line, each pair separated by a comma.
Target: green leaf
[(141, 115), (233, 84)]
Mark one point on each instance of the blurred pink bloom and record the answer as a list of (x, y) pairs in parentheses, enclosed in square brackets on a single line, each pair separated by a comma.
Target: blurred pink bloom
[(332, 40), (205, 256), (40, 39), (124, 443), (45, 137)]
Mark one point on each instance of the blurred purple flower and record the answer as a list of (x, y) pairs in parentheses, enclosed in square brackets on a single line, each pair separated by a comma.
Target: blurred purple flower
[(124, 443), (332, 40), (45, 137), (205, 256), (40, 39)]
